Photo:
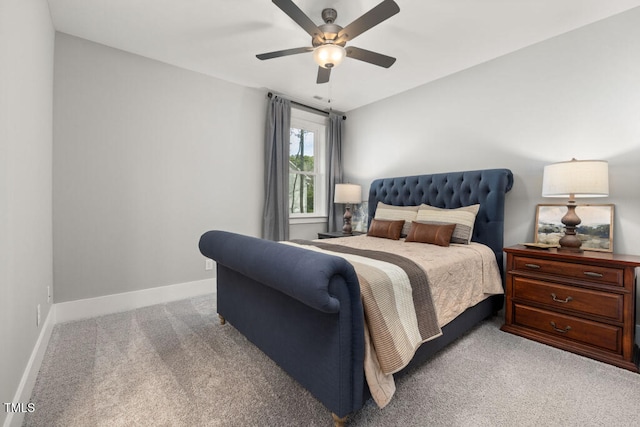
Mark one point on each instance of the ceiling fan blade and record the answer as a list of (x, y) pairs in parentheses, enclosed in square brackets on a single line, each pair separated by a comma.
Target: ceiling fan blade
[(381, 12), (285, 52), (294, 12), (370, 57), (323, 75)]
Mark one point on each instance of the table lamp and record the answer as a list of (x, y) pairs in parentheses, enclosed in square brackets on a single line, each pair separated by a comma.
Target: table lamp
[(347, 194), (574, 179)]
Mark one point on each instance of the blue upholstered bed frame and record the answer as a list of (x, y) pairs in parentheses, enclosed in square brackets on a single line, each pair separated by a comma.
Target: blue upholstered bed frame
[(303, 309)]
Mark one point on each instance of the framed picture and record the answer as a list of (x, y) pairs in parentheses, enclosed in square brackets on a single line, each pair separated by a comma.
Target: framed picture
[(360, 218), (595, 229)]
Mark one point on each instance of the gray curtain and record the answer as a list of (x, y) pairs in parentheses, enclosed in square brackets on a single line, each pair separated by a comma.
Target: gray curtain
[(275, 224), (334, 170)]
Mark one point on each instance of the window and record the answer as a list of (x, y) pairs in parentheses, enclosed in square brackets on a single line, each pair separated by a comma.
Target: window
[(307, 165)]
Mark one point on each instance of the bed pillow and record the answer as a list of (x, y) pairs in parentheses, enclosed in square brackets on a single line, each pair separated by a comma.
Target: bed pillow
[(436, 234), (394, 213), (385, 229), (464, 218)]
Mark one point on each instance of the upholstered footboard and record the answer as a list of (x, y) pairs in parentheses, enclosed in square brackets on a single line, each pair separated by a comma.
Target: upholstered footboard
[(299, 307)]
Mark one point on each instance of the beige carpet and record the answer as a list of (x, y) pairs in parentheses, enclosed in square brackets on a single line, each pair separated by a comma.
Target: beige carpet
[(175, 365)]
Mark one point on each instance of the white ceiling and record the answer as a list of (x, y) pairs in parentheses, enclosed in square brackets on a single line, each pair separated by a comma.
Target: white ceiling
[(429, 38)]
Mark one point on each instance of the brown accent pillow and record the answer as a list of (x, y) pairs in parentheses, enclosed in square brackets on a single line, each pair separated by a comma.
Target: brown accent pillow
[(385, 229), (395, 213), (436, 234)]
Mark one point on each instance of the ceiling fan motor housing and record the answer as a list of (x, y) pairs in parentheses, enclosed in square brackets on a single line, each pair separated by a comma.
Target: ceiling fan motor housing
[(330, 32)]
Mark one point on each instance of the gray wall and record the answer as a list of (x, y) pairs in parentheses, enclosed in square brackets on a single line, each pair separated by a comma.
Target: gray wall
[(146, 158), (576, 95), (26, 88), (307, 231)]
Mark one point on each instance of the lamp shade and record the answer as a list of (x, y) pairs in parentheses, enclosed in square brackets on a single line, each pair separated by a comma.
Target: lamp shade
[(576, 178), (329, 55), (348, 193)]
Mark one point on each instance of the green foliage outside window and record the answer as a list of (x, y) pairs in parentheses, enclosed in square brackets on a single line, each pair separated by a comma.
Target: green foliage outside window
[(302, 171)]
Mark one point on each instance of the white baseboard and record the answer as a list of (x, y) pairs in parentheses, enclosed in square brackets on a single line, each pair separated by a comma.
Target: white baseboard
[(28, 380), (108, 304)]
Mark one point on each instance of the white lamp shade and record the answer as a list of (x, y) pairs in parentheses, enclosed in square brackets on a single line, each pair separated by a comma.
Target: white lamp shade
[(329, 55), (578, 178), (348, 193)]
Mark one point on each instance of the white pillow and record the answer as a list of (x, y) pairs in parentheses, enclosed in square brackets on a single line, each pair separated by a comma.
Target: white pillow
[(395, 213), (464, 218)]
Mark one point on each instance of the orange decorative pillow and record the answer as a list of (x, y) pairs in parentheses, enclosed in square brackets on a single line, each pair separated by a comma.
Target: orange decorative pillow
[(436, 234), (385, 229)]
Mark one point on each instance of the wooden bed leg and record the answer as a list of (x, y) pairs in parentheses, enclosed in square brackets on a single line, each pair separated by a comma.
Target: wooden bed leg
[(222, 319), (337, 421)]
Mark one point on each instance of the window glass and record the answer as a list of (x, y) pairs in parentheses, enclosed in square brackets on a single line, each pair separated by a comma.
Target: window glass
[(307, 166), (302, 174)]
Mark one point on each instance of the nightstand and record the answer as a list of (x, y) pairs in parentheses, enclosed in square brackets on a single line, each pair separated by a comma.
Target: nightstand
[(583, 303), (335, 234)]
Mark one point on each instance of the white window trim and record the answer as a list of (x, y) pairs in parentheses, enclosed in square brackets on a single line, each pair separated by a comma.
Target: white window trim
[(317, 123), (308, 219)]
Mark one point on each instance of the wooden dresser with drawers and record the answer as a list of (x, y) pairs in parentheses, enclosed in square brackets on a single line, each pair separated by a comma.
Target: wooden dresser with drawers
[(579, 302)]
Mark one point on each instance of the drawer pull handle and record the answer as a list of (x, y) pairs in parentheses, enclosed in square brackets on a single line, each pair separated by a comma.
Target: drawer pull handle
[(562, 331), (563, 301), (534, 266), (592, 274)]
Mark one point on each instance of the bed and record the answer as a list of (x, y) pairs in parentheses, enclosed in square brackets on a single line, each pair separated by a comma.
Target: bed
[(303, 306)]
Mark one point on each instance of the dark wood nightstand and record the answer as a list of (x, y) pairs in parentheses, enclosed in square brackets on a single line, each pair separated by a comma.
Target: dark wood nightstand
[(583, 303), (335, 234)]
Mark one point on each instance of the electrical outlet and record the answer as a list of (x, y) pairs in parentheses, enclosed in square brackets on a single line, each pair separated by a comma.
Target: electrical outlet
[(38, 315), (208, 264)]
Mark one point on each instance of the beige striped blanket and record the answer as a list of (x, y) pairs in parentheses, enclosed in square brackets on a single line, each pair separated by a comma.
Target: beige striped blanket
[(398, 307)]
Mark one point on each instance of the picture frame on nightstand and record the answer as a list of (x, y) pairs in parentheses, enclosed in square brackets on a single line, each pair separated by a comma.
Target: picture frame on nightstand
[(360, 218), (595, 229)]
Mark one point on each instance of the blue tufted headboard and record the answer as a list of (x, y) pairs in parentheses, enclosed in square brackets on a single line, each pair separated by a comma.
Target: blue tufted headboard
[(453, 190)]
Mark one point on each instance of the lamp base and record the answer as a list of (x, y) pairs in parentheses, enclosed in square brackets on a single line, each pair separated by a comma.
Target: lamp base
[(346, 227), (570, 241), (570, 246)]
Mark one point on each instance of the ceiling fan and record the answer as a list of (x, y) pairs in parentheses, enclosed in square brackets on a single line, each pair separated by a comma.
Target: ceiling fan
[(328, 40)]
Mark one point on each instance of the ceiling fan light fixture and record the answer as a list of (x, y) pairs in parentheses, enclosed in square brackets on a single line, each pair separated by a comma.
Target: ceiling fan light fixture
[(329, 55)]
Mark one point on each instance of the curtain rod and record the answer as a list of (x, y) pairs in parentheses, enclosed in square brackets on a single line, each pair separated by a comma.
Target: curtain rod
[(307, 106)]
